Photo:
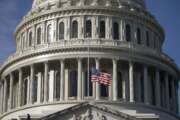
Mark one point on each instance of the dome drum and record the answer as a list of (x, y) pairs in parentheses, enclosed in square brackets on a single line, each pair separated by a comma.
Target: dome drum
[(60, 42)]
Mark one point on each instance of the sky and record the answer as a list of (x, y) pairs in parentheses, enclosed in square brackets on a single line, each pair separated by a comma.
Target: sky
[(167, 12)]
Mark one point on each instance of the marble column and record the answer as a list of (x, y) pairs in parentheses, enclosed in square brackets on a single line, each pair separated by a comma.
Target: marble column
[(146, 85), (115, 92), (1, 97), (31, 84), (20, 88), (5, 96), (167, 90), (107, 28), (55, 30), (131, 82), (11, 91), (67, 29), (62, 83), (81, 28), (93, 20), (79, 96), (173, 94), (139, 88), (46, 70), (176, 96), (97, 84), (157, 89), (122, 29), (51, 85), (39, 82)]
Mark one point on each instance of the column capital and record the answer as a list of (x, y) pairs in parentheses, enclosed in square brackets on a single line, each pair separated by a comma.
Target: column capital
[(79, 59), (20, 70), (115, 60), (46, 62), (98, 58), (32, 65)]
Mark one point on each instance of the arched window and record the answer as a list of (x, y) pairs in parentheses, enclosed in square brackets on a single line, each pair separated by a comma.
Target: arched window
[(74, 29), (138, 34), (147, 39), (30, 39), (128, 33), (102, 29), (39, 36), (115, 31), (61, 30), (88, 29), (49, 33)]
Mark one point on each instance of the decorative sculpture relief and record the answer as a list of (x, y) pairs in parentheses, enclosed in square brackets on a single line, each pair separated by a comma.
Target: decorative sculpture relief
[(108, 3), (81, 2), (94, 3)]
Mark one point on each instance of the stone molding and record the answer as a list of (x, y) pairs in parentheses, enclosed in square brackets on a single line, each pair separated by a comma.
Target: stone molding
[(141, 56)]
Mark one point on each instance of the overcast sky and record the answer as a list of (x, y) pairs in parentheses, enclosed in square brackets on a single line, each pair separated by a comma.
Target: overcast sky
[(167, 13)]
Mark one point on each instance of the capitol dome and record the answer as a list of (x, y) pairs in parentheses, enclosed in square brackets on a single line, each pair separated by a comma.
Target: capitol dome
[(89, 60), (113, 3)]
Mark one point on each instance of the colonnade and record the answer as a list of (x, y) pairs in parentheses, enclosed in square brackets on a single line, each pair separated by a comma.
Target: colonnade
[(134, 89)]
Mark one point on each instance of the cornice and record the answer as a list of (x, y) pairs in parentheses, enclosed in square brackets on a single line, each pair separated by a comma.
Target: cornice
[(45, 51)]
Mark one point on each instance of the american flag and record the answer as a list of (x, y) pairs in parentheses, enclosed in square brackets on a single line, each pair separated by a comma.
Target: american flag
[(101, 77)]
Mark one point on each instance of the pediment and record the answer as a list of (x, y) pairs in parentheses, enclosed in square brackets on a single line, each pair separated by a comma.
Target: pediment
[(87, 111)]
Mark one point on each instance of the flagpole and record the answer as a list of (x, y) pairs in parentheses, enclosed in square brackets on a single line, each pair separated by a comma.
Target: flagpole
[(88, 80)]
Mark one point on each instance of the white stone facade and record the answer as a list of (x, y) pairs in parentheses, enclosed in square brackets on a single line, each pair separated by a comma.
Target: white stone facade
[(49, 70)]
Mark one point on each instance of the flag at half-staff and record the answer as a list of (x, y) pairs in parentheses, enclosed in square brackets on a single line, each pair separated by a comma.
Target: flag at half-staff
[(101, 77)]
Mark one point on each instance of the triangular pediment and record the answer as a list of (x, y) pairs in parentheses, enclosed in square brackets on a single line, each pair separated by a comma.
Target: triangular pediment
[(88, 111)]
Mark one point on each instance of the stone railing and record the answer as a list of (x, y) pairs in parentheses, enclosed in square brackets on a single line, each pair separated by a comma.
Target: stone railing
[(85, 43)]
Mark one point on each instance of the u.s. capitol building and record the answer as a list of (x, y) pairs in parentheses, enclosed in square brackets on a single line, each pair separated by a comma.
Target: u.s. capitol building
[(59, 41)]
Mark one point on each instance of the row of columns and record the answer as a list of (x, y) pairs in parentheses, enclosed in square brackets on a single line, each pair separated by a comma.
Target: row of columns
[(96, 87)]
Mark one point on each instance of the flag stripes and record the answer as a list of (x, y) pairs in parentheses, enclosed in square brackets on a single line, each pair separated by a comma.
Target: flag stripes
[(101, 77)]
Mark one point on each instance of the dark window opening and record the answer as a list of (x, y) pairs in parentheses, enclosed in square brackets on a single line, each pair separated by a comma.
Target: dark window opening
[(30, 39), (147, 39), (39, 36), (61, 31), (74, 29), (73, 84), (128, 33), (119, 85), (115, 31), (88, 85), (88, 30), (102, 29), (138, 36)]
